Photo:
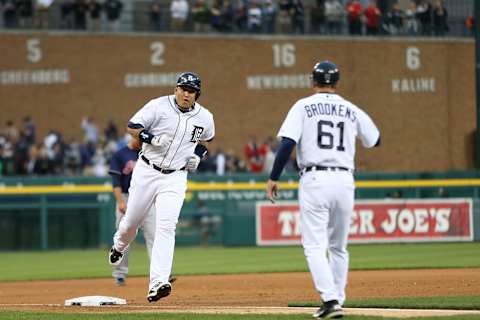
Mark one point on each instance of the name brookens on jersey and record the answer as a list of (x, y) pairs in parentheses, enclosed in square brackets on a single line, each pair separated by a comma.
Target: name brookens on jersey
[(330, 109)]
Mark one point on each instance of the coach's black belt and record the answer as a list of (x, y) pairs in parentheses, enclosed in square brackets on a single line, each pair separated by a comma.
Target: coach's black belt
[(161, 170), (321, 168)]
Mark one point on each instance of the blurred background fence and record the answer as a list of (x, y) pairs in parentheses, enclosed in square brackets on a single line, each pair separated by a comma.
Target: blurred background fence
[(60, 212)]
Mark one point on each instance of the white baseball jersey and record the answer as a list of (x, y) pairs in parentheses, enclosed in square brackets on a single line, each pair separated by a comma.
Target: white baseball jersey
[(324, 126), (161, 116)]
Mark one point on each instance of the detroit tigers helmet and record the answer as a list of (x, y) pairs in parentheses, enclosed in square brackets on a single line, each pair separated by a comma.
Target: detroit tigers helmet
[(191, 80), (325, 73)]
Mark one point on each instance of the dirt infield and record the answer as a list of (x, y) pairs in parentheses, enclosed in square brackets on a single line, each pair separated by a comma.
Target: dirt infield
[(269, 292)]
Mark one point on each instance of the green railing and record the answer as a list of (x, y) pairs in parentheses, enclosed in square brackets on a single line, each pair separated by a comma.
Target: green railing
[(33, 210)]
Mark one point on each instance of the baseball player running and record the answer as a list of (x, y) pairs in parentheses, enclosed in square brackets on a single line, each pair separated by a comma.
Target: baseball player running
[(170, 128), (324, 127), (121, 167)]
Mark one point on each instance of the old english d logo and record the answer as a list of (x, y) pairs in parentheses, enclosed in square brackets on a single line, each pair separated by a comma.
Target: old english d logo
[(196, 133)]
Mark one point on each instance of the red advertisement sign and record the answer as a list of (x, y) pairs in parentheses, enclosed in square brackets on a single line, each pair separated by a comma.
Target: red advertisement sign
[(376, 221)]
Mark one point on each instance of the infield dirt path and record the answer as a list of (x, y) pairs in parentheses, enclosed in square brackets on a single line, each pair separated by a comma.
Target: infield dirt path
[(237, 291)]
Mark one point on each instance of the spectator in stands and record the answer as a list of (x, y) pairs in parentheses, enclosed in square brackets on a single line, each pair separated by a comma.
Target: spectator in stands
[(113, 10), (220, 160), (333, 16), (269, 14), (354, 16), (285, 16), (87, 151), (10, 131), (99, 163), (254, 17), (111, 131), (90, 130), (222, 16), (201, 16), (66, 14), (72, 159), (470, 25), (240, 15), (52, 138), (9, 9), (80, 9), (298, 17), (216, 16), (373, 15), (270, 154), (94, 15), (156, 15), (29, 130), (37, 162), (395, 19), (440, 18), (317, 17), (227, 16), (179, 10), (234, 163), (411, 23), (424, 16), (42, 13), (6, 153), (25, 13), (255, 155)]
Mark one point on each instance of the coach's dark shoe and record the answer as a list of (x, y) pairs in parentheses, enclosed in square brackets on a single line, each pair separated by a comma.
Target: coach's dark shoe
[(120, 281), (158, 291), (115, 257), (329, 310)]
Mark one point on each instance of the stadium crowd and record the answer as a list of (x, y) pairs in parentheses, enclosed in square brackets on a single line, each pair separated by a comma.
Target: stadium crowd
[(22, 152), (354, 17)]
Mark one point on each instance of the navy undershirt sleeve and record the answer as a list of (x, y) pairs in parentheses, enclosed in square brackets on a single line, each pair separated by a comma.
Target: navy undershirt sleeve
[(116, 180), (281, 158), (132, 125)]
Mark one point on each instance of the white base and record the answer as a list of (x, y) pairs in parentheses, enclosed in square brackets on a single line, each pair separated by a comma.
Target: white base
[(94, 301)]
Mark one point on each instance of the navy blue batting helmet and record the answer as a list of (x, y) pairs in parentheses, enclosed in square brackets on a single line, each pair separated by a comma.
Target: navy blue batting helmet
[(191, 80), (325, 73)]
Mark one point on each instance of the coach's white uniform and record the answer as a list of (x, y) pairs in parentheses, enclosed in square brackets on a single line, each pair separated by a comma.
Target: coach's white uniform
[(149, 186), (325, 126)]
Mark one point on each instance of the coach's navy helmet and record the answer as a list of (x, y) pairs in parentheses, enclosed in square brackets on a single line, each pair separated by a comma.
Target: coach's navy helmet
[(325, 73)]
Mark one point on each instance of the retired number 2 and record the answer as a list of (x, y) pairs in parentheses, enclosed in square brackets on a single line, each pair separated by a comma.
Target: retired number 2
[(326, 135)]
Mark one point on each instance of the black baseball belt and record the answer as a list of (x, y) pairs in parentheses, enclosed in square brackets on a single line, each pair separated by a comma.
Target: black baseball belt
[(154, 166), (323, 168)]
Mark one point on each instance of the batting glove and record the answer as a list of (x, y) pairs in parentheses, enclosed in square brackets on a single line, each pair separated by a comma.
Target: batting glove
[(160, 141), (192, 163)]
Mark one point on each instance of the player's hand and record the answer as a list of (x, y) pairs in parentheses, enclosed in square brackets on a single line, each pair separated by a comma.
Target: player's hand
[(272, 190), (161, 141), (122, 207), (192, 163)]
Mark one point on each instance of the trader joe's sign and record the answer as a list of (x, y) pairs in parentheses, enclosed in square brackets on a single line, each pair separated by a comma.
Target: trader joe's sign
[(376, 221)]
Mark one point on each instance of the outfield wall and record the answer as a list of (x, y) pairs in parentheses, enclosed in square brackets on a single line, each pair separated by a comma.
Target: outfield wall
[(57, 213), (419, 91)]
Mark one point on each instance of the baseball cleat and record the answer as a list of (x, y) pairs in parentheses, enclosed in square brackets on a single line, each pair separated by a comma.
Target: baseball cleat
[(115, 257), (330, 310), (120, 282), (159, 290)]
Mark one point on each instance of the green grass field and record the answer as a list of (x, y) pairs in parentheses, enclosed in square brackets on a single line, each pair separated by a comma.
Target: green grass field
[(18, 266), (52, 316), (159, 316)]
